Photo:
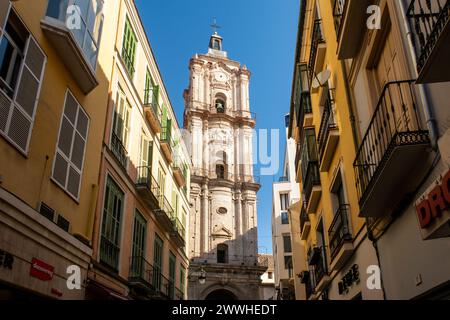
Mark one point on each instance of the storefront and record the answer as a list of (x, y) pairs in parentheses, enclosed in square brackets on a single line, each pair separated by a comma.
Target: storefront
[(38, 260)]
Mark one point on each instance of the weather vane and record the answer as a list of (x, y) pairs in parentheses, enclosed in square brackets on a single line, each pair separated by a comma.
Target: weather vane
[(215, 26)]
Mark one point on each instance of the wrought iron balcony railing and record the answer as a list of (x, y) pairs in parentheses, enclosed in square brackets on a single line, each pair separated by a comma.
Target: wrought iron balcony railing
[(312, 178), (339, 231), (246, 178), (179, 228), (395, 123), (320, 268), (327, 123), (141, 271), (151, 100), (119, 150), (129, 62), (305, 107), (316, 40), (146, 180), (109, 253), (428, 19), (165, 206), (304, 218)]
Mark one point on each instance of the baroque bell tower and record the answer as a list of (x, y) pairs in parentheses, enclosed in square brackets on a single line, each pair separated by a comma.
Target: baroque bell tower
[(223, 218)]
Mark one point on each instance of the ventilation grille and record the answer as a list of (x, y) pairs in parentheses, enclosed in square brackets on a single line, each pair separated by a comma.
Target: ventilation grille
[(47, 212), (63, 223)]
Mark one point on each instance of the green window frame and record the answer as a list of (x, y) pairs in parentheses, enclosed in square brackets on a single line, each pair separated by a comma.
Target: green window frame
[(129, 47), (158, 247), (172, 273), (182, 280), (138, 248), (111, 224)]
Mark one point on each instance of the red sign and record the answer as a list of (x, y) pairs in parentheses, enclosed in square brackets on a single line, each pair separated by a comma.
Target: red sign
[(435, 203), (41, 270)]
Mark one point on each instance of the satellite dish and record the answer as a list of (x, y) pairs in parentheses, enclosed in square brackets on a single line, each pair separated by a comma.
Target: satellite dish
[(321, 79)]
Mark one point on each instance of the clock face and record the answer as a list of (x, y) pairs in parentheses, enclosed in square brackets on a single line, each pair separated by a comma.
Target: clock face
[(220, 77)]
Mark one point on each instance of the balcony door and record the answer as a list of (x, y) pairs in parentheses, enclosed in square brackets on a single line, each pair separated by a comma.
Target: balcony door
[(157, 262), (172, 265), (138, 250)]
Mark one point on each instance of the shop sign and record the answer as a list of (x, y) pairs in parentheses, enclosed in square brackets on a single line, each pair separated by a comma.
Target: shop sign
[(41, 270), (350, 278), (6, 260), (433, 209)]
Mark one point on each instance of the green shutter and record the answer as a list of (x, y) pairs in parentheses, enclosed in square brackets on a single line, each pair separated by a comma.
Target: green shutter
[(129, 47), (157, 262)]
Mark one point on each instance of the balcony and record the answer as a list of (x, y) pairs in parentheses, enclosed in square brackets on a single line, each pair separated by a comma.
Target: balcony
[(429, 21), (153, 110), (318, 49), (141, 276), (394, 146), (109, 253), (340, 237), (312, 187), (350, 22), (164, 288), (76, 47), (328, 134), (148, 187), (321, 272), (178, 233), (305, 224), (119, 151), (303, 109), (305, 116), (166, 141), (179, 171), (165, 214), (313, 255)]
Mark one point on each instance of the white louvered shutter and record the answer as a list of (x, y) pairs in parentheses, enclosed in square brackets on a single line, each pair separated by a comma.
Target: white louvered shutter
[(27, 95), (68, 166), (5, 101)]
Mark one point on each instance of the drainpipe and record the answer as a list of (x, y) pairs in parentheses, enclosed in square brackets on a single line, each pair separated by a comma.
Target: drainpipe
[(377, 252), (423, 89)]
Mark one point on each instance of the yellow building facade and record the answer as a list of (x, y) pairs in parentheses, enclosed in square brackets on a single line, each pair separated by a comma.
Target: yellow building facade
[(332, 235), (84, 120)]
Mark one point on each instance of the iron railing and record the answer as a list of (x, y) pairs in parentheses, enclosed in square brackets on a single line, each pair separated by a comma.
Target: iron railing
[(128, 62), (428, 19), (339, 9), (179, 227), (109, 253), (119, 150), (165, 206), (327, 123), (151, 100), (145, 179), (320, 268), (312, 178), (304, 218), (339, 231), (395, 122), (141, 271), (305, 107), (316, 40)]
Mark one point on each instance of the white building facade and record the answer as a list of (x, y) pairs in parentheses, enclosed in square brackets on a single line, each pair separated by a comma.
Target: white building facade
[(223, 233)]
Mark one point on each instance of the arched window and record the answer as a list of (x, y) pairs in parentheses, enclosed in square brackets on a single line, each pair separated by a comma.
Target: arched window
[(222, 253), (216, 44), (220, 106), (220, 171)]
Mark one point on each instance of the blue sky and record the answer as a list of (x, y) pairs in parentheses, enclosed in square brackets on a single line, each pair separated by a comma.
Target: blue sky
[(258, 33)]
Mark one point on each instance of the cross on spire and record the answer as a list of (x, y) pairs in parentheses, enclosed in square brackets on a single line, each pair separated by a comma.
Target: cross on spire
[(215, 26)]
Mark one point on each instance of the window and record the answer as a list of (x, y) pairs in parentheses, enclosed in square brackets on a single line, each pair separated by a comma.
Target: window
[(88, 33), (146, 151), (182, 280), (129, 47), (162, 181), (220, 106), (22, 65), (138, 250), (220, 171), (284, 217), (121, 128), (69, 157), (284, 201), (287, 243), (270, 275), (157, 261), (148, 90), (175, 203), (216, 44), (222, 253), (288, 262), (172, 266), (111, 225)]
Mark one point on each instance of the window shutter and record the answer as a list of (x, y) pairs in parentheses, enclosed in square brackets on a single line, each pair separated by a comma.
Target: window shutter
[(150, 154), (27, 94), (144, 150)]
